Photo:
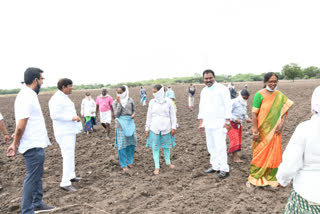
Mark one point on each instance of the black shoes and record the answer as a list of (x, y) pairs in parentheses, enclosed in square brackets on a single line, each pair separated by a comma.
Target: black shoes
[(44, 208), (223, 174), (69, 188), (210, 170), (76, 179)]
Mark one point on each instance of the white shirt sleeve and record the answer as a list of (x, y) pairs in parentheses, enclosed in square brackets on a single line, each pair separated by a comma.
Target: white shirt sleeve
[(82, 107), (200, 115), (149, 117), (227, 102), (173, 116), (23, 108), (292, 159), (1, 117)]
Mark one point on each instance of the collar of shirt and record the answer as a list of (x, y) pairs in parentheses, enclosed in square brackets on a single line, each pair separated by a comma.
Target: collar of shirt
[(212, 87), (165, 101), (63, 94), (30, 90)]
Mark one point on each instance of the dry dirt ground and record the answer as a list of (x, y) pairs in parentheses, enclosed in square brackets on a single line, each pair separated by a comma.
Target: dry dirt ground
[(185, 189)]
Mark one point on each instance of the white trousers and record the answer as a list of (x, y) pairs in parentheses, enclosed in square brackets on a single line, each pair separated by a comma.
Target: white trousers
[(191, 101), (217, 147), (67, 146)]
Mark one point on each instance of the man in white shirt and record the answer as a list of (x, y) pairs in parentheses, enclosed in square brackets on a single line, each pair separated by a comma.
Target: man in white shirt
[(214, 117), (64, 118), (30, 139)]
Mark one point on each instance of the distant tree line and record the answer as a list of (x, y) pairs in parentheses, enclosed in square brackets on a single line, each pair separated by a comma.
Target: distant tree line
[(290, 71)]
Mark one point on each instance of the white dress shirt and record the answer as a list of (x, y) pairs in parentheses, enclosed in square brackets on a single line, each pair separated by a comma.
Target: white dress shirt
[(301, 161), (88, 108), (35, 134), (61, 112), (215, 106), (161, 117)]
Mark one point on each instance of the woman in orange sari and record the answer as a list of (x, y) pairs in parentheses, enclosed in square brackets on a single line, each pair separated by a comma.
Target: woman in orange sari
[(269, 111)]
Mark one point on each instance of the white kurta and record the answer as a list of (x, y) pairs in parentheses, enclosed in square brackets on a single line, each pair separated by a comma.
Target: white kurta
[(88, 108), (301, 161), (214, 108), (161, 117), (62, 110)]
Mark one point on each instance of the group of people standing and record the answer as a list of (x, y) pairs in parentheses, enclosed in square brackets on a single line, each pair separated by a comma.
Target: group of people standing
[(219, 116)]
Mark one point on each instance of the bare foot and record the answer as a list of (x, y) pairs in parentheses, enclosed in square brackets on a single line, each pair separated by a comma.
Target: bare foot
[(156, 172), (125, 169), (171, 166), (130, 166), (238, 161)]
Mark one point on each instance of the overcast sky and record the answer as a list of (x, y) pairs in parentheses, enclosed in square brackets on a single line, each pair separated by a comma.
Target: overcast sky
[(129, 40)]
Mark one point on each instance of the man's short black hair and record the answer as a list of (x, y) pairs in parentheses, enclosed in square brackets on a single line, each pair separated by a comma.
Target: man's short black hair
[(64, 82), (208, 71), (31, 74)]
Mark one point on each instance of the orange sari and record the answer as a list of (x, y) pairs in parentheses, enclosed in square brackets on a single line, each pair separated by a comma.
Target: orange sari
[(267, 153)]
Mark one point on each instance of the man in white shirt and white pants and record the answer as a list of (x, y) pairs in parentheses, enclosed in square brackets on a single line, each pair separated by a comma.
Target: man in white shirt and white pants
[(30, 139), (214, 117), (64, 118)]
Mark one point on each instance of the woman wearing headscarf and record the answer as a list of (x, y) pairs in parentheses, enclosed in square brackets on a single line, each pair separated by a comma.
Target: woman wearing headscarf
[(160, 126), (301, 162), (88, 112), (126, 139), (238, 116), (269, 112)]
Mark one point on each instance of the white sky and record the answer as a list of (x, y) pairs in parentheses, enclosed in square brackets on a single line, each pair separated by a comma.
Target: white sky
[(129, 40)]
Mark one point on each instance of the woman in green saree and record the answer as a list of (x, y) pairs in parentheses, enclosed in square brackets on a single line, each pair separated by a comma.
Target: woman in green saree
[(269, 111)]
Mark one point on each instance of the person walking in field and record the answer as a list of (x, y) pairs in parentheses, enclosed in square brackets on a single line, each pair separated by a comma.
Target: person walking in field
[(269, 112), (30, 139), (104, 106), (5, 133), (233, 92), (214, 118), (143, 96), (160, 126), (191, 93), (238, 116), (126, 138), (6, 136), (64, 118), (301, 163), (88, 112)]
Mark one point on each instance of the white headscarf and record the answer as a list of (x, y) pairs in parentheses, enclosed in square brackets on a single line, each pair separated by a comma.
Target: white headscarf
[(241, 100), (159, 95), (315, 101), (124, 97)]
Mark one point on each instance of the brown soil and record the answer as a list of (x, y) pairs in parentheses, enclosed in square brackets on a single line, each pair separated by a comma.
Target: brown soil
[(184, 189)]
